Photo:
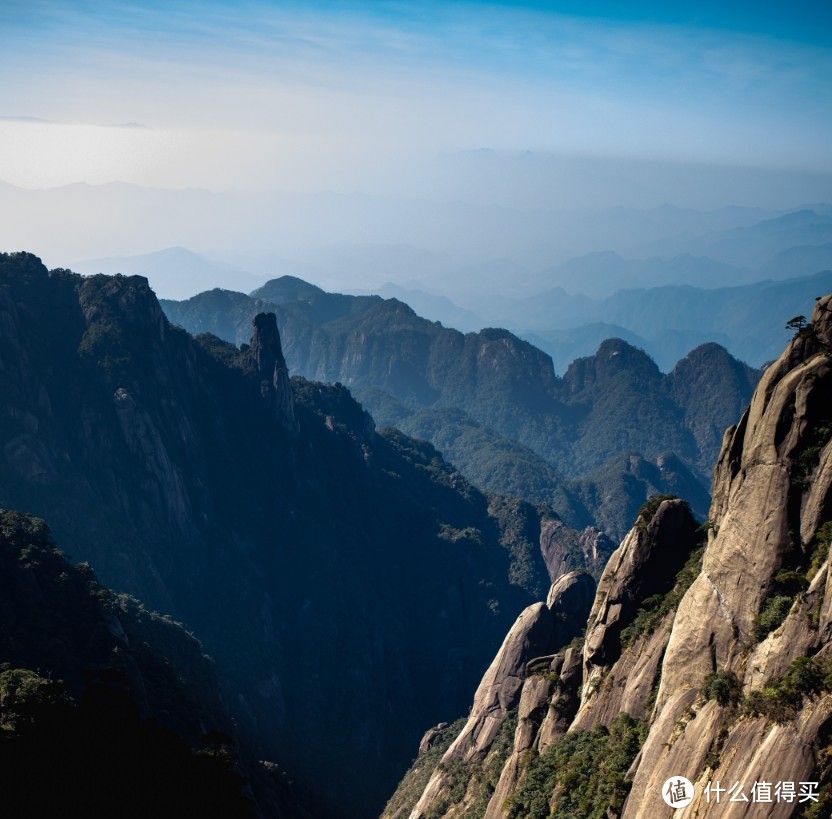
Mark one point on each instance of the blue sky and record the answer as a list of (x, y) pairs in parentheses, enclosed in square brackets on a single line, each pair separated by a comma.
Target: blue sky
[(806, 22), (344, 94)]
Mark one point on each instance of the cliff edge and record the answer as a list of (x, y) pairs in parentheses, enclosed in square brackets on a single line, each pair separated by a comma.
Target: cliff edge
[(708, 650)]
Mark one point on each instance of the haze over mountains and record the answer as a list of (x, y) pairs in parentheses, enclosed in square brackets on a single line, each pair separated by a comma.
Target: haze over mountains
[(750, 269), (512, 436), (594, 444), (268, 515), (669, 321), (580, 402), (336, 573), (561, 277), (362, 240), (176, 271)]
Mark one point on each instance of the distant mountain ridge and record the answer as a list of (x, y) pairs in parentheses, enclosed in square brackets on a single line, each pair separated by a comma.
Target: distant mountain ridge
[(137, 218), (603, 272), (753, 245), (549, 304), (673, 319), (174, 273), (409, 371)]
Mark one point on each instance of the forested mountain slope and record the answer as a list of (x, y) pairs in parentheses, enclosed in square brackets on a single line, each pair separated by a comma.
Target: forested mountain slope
[(492, 402), (337, 576), (107, 709)]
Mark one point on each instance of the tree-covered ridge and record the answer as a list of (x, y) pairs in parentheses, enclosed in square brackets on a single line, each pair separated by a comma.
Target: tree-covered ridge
[(96, 715), (582, 775), (492, 404), (336, 574)]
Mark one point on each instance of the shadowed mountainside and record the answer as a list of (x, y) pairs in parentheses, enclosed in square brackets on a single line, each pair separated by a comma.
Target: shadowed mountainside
[(107, 708), (336, 575), (492, 402)]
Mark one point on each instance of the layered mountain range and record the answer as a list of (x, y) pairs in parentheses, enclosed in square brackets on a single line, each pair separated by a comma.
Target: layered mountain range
[(707, 651), (594, 443), (351, 585), (668, 320), (665, 279), (338, 576)]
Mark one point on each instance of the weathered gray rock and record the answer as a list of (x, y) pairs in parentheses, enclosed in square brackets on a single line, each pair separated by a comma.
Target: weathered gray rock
[(431, 735), (571, 594), (537, 633), (500, 689), (534, 702), (644, 565), (772, 492), (630, 685), (266, 357), (560, 545), (770, 495), (759, 507), (565, 700)]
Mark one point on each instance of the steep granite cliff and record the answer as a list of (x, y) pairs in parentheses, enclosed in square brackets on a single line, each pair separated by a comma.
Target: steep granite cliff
[(710, 661)]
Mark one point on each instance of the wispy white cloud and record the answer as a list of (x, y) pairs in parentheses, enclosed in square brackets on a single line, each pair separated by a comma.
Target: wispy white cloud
[(327, 91)]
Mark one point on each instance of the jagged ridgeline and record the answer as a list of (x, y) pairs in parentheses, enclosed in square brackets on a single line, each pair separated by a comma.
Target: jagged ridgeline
[(707, 653), (349, 584), (105, 708), (594, 443)]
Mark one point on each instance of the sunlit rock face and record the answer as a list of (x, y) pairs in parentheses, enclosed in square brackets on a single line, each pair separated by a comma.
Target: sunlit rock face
[(716, 640)]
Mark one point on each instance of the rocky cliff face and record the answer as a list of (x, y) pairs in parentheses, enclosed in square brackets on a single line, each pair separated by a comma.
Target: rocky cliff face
[(566, 550), (264, 357), (475, 763), (708, 661)]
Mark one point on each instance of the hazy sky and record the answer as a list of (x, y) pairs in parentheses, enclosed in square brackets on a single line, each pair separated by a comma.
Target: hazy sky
[(363, 96)]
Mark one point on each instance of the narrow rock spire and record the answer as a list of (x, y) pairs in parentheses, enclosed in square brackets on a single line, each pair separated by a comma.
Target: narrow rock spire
[(266, 355)]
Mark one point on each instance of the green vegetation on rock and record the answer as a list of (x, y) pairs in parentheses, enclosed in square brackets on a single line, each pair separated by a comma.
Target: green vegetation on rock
[(781, 699), (788, 583), (469, 784), (583, 774), (722, 686), (413, 784), (476, 778)]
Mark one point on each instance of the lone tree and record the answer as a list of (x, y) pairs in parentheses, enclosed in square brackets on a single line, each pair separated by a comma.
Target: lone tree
[(798, 324)]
